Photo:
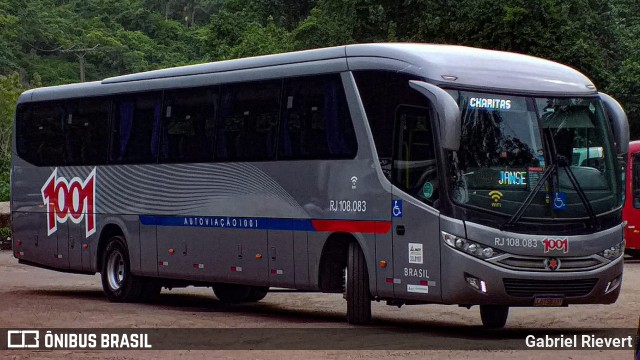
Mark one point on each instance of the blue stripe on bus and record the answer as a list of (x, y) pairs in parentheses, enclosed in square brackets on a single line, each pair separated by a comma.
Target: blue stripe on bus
[(225, 222)]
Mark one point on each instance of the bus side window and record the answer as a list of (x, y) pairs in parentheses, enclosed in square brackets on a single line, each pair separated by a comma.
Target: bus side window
[(248, 121), (41, 138), (86, 128), (135, 129), (381, 93), (188, 126), (316, 123), (414, 161)]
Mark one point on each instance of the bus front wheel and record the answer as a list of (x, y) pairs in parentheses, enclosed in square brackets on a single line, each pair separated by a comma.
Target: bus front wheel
[(634, 253), (494, 316), (119, 284), (357, 287)]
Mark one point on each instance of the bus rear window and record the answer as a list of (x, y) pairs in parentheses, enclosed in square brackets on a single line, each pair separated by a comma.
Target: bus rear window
[(40, 134), (59, 133)]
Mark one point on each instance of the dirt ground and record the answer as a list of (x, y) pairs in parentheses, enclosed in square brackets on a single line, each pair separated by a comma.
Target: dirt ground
[(37, 298)]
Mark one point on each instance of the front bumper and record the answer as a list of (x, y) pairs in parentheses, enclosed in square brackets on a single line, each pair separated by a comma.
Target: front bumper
[(456, 290)]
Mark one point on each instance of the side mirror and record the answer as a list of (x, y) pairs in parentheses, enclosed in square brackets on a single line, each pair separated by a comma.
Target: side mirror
[(448, 113), (619, 122)]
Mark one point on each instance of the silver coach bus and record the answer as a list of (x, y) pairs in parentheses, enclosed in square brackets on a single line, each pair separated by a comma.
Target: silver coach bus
[(408, 173)]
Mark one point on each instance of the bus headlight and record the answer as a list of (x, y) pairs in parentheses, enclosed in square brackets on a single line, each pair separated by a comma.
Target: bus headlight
[(469, 247), (613, 252)]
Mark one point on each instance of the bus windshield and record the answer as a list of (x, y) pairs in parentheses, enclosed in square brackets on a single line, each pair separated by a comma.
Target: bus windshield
[(509, 141)]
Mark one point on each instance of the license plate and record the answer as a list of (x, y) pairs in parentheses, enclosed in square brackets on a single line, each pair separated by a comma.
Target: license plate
[(548, 301)]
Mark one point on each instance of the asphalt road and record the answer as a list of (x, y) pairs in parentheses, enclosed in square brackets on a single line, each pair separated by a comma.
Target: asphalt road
[(37, 298)]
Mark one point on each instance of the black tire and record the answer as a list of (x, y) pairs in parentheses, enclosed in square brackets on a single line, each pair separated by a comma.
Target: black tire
[(634, 253), (494, 316), (118, 283), (357, 287), (232, 293), (257, 293), (150, 290)]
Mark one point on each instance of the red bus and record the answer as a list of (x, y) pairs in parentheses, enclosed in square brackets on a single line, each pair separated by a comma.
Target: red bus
[(631, 210)]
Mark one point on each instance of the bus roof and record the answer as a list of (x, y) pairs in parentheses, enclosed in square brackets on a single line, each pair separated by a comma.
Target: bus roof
[(447, 65)]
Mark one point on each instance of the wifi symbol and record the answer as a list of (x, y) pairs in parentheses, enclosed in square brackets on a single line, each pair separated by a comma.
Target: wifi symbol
[(354, 180), (495, 195)]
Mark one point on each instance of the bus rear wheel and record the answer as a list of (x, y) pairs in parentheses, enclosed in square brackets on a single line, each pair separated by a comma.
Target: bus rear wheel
[(118, 283), (257, 293), (150, 290), (357, 287), (232, 293), (494, 316)]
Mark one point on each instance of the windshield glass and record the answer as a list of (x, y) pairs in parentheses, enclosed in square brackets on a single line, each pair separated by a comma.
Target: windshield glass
[(508, 142)]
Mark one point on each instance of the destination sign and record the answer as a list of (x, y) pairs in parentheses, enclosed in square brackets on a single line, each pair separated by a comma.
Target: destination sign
[(493, 104)]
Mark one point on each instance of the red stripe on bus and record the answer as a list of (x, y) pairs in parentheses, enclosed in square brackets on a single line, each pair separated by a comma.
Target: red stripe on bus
[(365, 227)]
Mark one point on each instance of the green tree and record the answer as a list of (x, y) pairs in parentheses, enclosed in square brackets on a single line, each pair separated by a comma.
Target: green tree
[(331, 23), (10, 89), (9, 43), (599, 38), (625, 83), (259, 40), (625, 88)]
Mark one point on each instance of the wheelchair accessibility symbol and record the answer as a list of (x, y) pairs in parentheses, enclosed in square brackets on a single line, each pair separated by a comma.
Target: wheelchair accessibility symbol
[(396, 208), (559, 201)]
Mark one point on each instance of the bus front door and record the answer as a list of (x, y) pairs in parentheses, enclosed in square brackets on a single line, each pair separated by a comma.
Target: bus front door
[(415, 220)]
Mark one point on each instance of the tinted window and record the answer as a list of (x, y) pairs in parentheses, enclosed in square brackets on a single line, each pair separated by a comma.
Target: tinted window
[(87, 132), (188, 126), (316, 123), (382, 93), (135, 129), (414, 160), (40, 138), (248, 121)]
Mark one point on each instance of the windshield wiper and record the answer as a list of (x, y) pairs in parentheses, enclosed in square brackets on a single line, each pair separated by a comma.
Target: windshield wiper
[(527, 201), (594, 223)]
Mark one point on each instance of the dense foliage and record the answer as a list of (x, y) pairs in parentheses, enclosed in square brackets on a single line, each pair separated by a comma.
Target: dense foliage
[(44, 42)]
